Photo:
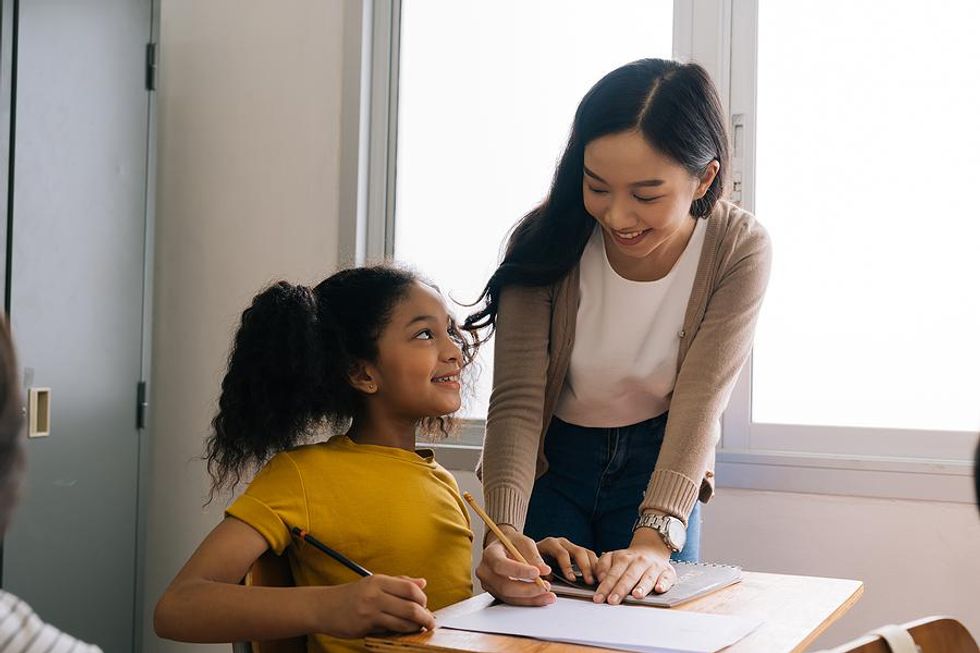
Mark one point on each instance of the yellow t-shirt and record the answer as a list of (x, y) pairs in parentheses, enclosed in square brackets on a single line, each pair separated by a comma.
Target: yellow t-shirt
[(391, 511)]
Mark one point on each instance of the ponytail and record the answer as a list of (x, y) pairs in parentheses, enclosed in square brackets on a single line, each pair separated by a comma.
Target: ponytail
[(270, 393)]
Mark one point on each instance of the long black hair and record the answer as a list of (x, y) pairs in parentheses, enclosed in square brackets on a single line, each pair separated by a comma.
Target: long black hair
[(288, 371), (674, 106)]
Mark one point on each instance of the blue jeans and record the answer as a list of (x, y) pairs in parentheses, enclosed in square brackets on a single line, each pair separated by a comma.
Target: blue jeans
[(595, 482)]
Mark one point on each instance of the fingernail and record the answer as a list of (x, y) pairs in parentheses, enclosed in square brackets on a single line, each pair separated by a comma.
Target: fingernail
[(598, 598), (660, 588), (614, 598), (570, 576)]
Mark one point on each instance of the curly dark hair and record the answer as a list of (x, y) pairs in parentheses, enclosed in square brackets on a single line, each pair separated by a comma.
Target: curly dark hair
[(288, 371)]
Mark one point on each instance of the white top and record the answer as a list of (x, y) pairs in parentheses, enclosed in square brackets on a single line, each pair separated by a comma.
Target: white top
[(22, 631), (624, 359)]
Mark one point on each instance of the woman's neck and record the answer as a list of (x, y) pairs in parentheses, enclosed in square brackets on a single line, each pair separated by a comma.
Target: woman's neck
[(383, 430)]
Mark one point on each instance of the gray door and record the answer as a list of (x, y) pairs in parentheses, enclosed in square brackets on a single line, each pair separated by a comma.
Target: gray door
[(76, 303)]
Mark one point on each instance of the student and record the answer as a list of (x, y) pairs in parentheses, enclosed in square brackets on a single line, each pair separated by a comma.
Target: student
[(20, 629), (370, 350), (624, 309)]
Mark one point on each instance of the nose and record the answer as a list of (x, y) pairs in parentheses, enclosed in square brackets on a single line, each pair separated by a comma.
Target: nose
[(617, 215), (452, 352)]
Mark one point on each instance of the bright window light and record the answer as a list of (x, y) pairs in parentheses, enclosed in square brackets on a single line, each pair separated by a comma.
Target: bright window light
[(487, 92), (868, 155)]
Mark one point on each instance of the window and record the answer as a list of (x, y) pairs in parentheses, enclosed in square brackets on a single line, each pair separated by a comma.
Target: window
[(486, 96), (854, 143)]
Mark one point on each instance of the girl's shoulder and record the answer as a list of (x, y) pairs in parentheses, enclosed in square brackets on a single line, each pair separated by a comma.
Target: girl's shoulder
[(302, 456)]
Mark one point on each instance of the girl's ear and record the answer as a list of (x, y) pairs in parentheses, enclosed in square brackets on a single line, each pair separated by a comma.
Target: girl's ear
[(364, 377), (707, 177)]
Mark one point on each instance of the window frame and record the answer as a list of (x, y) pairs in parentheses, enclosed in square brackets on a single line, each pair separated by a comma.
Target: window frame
[(721, 35)]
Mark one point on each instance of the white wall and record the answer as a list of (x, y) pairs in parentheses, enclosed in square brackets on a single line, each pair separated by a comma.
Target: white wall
[(916, 558), (248, 165), (249, 121)]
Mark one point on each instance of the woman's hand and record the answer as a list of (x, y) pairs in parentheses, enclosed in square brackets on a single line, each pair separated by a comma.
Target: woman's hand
[(564, 552), (377, 603), (638, 570), (512, 581)]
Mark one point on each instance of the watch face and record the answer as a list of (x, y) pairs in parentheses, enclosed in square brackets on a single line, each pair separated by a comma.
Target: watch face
[(677, 533)]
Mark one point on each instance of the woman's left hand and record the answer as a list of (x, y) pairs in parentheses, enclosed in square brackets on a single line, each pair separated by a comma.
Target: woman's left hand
[(642, 568)]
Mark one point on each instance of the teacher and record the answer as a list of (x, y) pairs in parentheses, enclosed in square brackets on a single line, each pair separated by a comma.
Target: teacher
[(623, 309)]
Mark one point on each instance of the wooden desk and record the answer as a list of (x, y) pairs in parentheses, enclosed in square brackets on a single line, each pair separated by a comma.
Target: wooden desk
[(794, 611)]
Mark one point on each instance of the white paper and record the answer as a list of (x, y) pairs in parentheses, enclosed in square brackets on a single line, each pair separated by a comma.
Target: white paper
[(623, 627)]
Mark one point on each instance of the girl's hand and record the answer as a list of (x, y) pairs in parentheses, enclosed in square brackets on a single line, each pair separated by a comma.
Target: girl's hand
[(512, 581), (564, 552), (638, 570), (377, 603)]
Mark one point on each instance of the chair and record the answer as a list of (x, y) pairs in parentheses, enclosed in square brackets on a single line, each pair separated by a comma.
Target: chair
[(928, 635), (271, 570)]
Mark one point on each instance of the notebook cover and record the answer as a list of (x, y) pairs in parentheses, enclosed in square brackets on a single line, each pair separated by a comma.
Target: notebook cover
[(694, 580)]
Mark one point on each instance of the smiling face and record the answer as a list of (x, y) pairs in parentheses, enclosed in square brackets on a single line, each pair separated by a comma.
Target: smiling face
[(641, 198), (417, 371)]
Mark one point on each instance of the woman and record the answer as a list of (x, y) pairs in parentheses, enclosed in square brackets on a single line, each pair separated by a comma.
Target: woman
[(624, 309)]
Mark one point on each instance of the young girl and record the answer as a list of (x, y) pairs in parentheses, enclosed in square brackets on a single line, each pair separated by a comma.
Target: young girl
[(624, 309), (372, 350), (372, 347)]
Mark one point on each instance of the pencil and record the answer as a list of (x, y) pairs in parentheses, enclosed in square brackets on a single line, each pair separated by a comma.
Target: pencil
[(339, 557), (500, 536)]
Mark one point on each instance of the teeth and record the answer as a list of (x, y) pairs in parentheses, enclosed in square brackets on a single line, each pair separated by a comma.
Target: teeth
[(629, 236), (443, 379)]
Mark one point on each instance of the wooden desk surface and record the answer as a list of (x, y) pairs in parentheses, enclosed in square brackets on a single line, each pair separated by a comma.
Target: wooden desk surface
[(794, 611)]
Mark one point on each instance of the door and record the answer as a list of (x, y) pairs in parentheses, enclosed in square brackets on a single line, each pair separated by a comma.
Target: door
[(77, 230)]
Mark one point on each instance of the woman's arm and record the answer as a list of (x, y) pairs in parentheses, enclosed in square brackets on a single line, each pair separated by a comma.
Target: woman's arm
[(205, 603), (708, 373), (514, 419)]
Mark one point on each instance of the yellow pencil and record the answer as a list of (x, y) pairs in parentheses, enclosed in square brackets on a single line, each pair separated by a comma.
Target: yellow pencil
[(500, 536)]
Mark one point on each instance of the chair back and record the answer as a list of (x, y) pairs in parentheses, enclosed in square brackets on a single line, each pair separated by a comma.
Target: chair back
[(927, 635), (271, 570)]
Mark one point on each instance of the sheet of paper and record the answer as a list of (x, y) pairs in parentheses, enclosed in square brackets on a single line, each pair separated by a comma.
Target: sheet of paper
[(623, 627)]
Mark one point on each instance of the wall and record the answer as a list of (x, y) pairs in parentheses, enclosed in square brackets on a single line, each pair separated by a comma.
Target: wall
[(248, 166), (916, 558)]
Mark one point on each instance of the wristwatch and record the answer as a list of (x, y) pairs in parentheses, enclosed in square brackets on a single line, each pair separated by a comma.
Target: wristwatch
[(671, 529)]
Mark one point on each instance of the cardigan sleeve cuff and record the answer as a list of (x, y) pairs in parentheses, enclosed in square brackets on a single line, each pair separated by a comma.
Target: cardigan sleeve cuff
[(507, 505), (671, 493)]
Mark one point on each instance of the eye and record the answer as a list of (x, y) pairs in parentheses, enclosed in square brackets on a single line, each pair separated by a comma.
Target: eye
[(425, 334), (646, 200), (598, 191)]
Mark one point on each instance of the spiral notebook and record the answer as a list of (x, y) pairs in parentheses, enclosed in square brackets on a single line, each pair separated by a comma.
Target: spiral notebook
[(694, 580)]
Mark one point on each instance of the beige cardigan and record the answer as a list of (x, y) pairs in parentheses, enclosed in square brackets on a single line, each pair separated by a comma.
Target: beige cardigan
[(534, 336)]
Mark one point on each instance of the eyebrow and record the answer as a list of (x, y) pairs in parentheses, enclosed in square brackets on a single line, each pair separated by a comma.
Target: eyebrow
[(424, 318), (420, 318), (645, 182)]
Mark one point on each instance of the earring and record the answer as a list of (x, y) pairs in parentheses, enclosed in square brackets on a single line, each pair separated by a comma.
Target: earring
[(371, 387)]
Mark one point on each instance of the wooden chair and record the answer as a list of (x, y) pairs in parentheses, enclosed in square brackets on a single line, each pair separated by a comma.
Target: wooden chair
[(928, 635), (271, 570)]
